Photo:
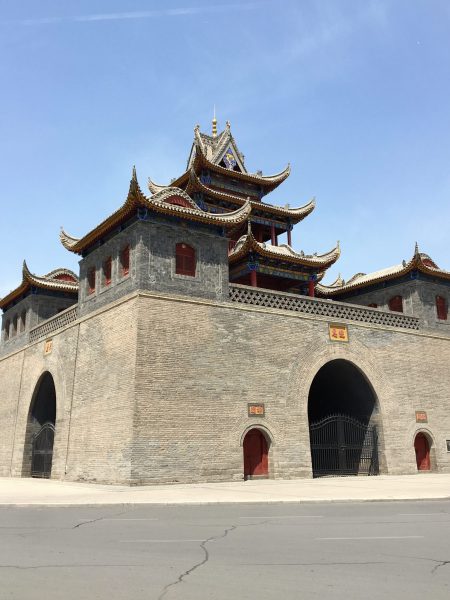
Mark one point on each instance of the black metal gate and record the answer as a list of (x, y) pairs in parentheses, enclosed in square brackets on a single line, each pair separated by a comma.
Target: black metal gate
[(42, 453), (341, 445)]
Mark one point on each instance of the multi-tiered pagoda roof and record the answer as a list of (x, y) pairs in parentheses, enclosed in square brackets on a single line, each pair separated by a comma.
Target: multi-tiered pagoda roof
[(217, 180)]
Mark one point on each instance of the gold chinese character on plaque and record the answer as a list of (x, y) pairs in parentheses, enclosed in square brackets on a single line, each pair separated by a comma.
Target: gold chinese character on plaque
[(338, 333), (256, 410), (421, 416), (48, 346)]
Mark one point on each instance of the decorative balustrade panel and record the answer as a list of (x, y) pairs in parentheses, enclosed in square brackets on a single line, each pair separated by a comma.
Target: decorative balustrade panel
[(323, 308), (60, 320)]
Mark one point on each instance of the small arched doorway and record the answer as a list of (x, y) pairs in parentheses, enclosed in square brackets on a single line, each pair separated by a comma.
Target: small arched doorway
[(256, 455), (40, 431), (422, 449), (343, 421)]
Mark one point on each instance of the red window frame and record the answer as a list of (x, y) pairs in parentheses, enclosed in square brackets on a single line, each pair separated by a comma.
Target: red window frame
[(441, 308), (91, 280), (185, 260), (396, 303), (107, 270), (125, 260)]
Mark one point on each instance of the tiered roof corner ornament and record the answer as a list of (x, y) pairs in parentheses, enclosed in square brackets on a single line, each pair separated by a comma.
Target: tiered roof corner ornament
[(420, 262), (248, 243), (62, 280), (170, 200), (216, 189)]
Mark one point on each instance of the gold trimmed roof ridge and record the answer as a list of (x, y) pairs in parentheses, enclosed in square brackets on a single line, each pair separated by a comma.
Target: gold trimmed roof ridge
[(49, 281), (158, 203), (360, 280), (201, 160), (298, 213), (248, 243)]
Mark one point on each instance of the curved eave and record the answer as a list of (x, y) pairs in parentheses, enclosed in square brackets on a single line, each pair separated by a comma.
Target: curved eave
[(45, 282), (159, 203), (269, 182), (295, 214), (154, 188), (58, 272), (135, 198), (67, 240), (284, 253), (389, 274)]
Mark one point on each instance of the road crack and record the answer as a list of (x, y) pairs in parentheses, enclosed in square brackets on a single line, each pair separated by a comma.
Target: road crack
[(183, 576), (440, 564), (122, 512)]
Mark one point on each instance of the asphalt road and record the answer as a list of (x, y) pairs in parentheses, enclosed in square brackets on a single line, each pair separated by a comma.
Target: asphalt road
[(333, 551)]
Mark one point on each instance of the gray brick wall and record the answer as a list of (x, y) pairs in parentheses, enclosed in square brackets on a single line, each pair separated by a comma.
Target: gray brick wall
[(155, 388), (152, 265), (419, 300), (37, 308)]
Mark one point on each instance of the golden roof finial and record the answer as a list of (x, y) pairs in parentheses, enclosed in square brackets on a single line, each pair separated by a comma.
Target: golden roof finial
[(214, 124)]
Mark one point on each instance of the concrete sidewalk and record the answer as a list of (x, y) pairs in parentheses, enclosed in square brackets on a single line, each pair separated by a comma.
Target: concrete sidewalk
[(26, 492)]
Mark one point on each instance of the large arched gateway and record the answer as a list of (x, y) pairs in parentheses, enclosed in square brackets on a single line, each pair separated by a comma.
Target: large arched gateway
[(343, 421), (40, 431)]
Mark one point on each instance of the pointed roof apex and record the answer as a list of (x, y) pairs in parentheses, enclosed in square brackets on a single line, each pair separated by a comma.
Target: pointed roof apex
[(416, 249), (134, 184), (214, 124)]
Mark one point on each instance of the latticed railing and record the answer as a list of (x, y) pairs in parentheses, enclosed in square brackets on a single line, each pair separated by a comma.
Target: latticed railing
[(47, 327), (324, 308)]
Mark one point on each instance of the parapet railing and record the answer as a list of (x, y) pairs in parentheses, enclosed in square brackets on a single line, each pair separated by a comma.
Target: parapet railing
[(62, 319), (323, 308)]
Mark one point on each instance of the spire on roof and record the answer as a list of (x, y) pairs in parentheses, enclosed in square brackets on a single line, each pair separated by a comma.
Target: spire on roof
[(416, 249), (134, 185), (214, 124)]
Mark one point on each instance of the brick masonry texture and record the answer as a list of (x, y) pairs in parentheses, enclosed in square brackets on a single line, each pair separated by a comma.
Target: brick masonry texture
[(153, 387), (152, 263), (419, 300)]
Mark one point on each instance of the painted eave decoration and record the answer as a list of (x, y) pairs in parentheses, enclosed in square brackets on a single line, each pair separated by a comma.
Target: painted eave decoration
[(419, 262), (170, 201), (295, 214), (63, 280), (247, 244)]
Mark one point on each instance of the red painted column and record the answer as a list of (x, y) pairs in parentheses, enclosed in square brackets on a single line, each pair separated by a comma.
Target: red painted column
[(272, 235), (253, 279), (311, 288)]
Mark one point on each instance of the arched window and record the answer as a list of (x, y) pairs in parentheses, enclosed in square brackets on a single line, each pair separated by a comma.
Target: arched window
[(441, 308), (396, 304), (6, 331), (125, 260), (91, 280), (373, 305), (185, 260), (107, 270)]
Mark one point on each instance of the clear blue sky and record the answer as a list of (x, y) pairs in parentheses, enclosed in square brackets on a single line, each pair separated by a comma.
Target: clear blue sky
[(355, 94)]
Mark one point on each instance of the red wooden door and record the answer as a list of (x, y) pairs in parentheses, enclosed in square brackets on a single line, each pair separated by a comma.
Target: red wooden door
[(422, 448), (255, 454)]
